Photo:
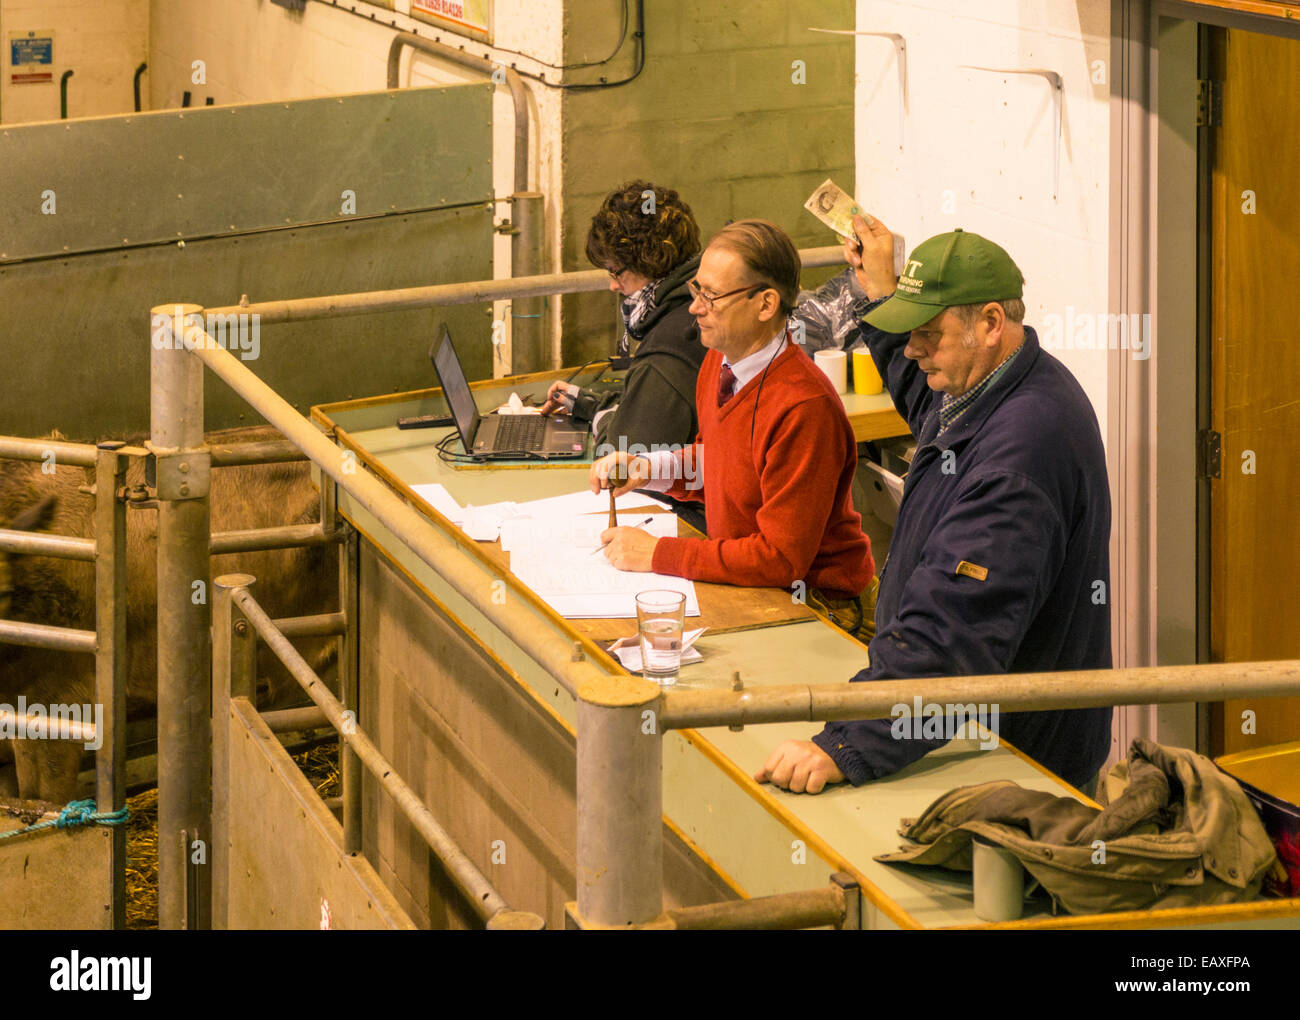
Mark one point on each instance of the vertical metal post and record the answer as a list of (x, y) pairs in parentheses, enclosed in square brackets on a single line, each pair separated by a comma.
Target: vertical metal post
[(234, 675), (184, 618), (349, 684), (529, 351), (110, 655), (620, 802)]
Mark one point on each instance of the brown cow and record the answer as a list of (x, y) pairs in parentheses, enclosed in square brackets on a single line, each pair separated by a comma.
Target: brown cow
[(42, 589)]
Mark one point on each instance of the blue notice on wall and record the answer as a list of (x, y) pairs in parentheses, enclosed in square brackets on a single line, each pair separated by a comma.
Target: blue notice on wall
[(31, 57), (31, 50)]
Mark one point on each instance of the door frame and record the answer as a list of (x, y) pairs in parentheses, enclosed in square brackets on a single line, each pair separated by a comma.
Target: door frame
[(1149, 536)]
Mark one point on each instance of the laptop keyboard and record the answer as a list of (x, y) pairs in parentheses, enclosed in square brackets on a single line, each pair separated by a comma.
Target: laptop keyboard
[(524, 432)]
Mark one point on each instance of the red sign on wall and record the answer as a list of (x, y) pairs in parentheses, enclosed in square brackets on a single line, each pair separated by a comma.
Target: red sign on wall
[(465, 17)]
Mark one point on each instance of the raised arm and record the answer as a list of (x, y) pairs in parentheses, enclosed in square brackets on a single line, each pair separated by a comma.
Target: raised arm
[(873, 267)]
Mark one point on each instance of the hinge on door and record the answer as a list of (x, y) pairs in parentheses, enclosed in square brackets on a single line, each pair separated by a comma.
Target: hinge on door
[(1209, 102), (1208, 454)]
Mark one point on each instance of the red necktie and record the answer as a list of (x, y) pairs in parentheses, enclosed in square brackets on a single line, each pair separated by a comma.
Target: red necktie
[(726, 378)]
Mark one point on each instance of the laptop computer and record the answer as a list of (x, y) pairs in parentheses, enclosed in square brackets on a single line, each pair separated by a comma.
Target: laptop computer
[(501, 436)]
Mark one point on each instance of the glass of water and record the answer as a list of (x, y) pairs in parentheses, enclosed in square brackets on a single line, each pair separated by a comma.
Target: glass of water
[(660, 619)]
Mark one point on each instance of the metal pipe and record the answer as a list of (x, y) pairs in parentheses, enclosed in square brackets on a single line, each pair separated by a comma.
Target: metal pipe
[(41, 635), (518, 90), (272, 451), (135, 84), (320, 625), (1011, 692), (184, 658), (429, 296), (528, 350), (31, 543), (75, 454), (110, 655), (234, 675), (471, 292), (349, 684), (63, 95), (471, 580), (480, 893), (282, 537), (620, 797), (807, 908), (291, 720), (43, 727)]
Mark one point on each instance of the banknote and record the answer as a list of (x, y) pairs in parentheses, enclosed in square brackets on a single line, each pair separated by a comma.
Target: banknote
[(832, 206)]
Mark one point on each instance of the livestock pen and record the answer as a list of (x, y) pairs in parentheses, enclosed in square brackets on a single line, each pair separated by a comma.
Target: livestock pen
[(34, 861)]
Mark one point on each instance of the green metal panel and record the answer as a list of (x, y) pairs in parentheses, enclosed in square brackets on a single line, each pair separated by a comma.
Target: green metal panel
[(74, 333), (74, 328), (113, 182)]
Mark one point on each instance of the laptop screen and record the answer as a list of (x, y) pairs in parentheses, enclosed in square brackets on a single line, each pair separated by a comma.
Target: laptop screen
[(454, 387)]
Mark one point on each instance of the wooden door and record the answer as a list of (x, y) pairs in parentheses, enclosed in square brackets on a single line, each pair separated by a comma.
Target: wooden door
[(1255, 376)]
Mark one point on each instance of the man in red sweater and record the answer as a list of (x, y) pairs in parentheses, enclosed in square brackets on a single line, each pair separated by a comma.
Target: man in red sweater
[(775, 457)]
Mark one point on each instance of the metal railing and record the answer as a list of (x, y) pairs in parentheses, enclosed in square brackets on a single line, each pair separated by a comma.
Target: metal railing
[(234, 657), (107, 642)]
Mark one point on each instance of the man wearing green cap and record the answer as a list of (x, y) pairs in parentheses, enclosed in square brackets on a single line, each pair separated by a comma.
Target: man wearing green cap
[(999, 561)]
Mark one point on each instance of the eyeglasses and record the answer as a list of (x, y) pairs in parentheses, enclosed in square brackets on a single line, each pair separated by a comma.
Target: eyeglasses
[(614, 274), (710, 301)]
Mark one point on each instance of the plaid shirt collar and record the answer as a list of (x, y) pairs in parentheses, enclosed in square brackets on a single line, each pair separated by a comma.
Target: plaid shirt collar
[(953, 408)]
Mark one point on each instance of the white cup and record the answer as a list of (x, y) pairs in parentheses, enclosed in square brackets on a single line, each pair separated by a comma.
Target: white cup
[(836, 366)]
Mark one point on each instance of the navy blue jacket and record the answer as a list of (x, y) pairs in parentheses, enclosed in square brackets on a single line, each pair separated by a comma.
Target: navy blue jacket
[(1018, 486)]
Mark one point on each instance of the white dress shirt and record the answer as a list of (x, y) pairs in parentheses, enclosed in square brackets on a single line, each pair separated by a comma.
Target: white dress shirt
[(666, 465)]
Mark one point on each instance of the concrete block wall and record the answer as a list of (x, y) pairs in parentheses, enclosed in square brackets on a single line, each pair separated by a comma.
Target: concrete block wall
[(102, 44), (716, 114), (977, 147)]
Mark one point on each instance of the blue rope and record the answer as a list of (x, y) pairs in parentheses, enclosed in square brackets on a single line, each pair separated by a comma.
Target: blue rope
[(79, 812)]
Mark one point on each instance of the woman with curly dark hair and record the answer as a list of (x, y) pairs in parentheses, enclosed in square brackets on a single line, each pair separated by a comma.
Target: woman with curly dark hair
[(646, 238)]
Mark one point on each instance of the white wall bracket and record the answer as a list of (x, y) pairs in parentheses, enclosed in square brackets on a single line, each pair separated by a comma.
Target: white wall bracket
[(900, 49), (1057, 84)]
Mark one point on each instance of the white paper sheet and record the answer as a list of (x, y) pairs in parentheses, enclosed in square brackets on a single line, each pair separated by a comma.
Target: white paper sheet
[(481, 523), (628, 650), (440, 499), (580, 532), (560, 561), (584, 502)]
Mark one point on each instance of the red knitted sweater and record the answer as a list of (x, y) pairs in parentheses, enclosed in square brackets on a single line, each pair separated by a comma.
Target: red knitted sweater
[(781, 510)]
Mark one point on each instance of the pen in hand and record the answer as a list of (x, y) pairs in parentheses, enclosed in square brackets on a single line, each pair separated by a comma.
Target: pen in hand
[(601, 548)]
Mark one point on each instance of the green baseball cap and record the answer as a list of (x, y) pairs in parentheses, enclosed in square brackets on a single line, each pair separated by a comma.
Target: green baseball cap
[(949, 269)]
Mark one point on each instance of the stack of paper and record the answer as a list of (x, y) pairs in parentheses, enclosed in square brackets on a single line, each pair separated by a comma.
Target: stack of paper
[(584, 502), (559, 561), (483, 523), (553, 547)]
